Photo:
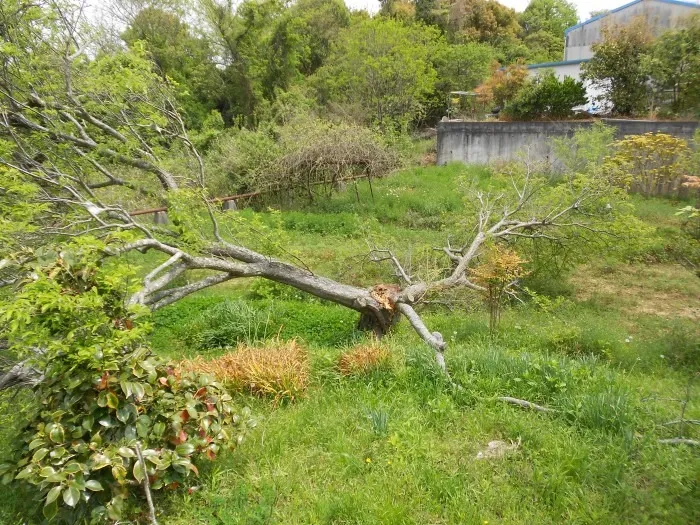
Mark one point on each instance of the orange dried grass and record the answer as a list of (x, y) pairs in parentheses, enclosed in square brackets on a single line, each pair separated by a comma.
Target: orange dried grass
[(279, 369), (363, 359)]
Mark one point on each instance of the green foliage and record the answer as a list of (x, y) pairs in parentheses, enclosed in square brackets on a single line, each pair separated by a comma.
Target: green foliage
[(102, 394), (546, 97), (303, 156), (183, 58), (586, 149), (318, 22), (673, 64), (379, 70), (544, 23), (653, 161), (19, 214), (483, 21), (617, 67), (460, 67)]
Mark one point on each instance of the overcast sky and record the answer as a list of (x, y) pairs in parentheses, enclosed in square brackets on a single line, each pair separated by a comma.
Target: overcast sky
[(584, 6)]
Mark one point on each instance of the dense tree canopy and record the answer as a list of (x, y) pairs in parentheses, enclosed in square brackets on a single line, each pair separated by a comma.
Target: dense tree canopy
[(184, 58), (544, 23), (617, 67), (381, 69), (673, 64)]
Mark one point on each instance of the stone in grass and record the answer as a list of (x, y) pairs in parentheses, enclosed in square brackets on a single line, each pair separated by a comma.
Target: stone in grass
[(497, 449)]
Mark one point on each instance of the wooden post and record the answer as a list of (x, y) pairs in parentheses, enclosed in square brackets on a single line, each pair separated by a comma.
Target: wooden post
[(229, 205), (160, 217)]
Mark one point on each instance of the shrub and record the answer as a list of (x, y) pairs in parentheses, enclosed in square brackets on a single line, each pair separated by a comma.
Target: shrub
[(102, 395), (498, 273), (277, 369), (585, 151), (546, 97), (653, 160), (304, 156), (617, 66), (240, 158), (364, 359), (503, 85)]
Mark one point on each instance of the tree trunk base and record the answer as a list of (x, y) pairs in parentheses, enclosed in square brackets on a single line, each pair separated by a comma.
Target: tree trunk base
[(378, 323)]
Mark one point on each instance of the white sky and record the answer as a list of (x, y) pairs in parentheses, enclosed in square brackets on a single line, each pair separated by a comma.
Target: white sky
[(584, 7)]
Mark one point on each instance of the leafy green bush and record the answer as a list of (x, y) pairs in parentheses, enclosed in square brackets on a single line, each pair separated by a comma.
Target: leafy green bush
[(103, 397), (546, 97), (239, 159)]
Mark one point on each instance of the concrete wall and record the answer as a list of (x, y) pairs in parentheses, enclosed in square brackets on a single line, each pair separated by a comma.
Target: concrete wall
[(484, 142), (659, 14)]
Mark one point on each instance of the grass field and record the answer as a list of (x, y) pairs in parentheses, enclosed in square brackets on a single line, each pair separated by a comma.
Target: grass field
[(612, 345)]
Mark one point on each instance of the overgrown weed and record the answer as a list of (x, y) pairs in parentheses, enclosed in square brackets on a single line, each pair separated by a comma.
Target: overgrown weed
[(277, 369), (364, 359)]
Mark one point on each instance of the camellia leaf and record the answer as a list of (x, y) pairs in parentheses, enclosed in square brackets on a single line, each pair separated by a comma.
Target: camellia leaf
[(71, 496), (158, 429), (53, 494), (139, 474), (185, 449), (57, 434), (93, 485), (126, 452), (40, 454), (25, 473), (99, 461), (126, 388), (112, 400), (51, 509), (46, 472), (123, 413), (36, 443), (143, 423), (138, 390), (73, 467), (102, 399)]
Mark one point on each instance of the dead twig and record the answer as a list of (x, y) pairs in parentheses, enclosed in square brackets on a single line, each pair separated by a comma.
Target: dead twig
[(525, 404), (146, 486), (680, 441)]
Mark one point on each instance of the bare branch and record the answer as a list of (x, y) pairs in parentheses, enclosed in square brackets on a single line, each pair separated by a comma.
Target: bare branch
[(434, 339), (680, 441), (525, 404)]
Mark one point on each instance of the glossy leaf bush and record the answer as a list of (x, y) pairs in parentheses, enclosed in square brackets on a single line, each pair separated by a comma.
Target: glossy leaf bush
[(103, 393)]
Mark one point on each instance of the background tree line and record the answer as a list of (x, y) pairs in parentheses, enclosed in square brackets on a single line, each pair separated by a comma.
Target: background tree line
[(249, 60)]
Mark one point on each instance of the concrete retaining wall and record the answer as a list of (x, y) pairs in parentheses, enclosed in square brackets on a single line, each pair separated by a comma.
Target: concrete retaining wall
[(484, 142)]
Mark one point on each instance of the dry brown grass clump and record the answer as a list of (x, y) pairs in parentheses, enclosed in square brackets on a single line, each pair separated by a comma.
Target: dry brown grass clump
[(363, 359), (278, 369)]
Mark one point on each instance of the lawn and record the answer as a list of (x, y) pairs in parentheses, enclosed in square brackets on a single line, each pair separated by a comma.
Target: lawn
[(611, 346)]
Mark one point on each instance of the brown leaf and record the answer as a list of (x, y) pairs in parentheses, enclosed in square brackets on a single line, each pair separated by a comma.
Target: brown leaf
[(201, 392)]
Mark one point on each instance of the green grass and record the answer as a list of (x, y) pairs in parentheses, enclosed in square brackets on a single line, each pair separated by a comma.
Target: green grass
[(323, 460), (611, 346)]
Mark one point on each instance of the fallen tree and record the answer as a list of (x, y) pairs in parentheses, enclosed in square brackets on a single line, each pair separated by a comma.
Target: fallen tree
[(83, 138)]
